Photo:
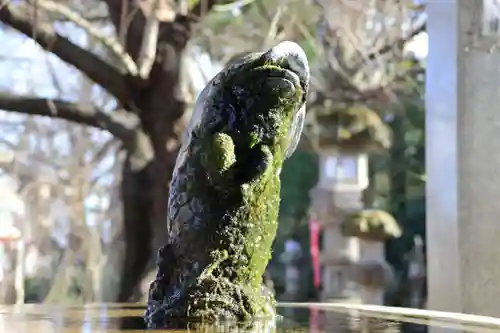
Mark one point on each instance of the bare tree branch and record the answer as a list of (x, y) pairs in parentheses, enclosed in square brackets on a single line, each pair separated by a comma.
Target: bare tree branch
[(398, 43), (149, 42), (201, 9), (231, 6), (273, 27), (91, 65), (92, 30), (84, 114), (122, 124)]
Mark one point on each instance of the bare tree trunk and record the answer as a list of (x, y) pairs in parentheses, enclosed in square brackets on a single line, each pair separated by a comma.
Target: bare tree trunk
[(149, 119), (160, 106), (145, 192)]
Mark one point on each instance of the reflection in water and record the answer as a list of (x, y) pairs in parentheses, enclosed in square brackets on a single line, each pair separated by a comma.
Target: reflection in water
[(127, 318)]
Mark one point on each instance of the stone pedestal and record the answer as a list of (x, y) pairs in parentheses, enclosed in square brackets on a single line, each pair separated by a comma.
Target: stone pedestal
[(338, 252), (371, 272), (463, 158)]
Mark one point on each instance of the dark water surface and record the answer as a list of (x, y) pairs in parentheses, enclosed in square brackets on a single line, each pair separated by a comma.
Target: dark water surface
[(108, 318)]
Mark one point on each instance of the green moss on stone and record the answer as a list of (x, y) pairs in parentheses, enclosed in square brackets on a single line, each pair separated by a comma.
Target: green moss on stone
[(352, 129), (371, 225)]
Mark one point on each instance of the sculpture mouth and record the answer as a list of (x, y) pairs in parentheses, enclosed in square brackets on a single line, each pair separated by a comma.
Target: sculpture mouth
[(287, 76), (291, 57), (294, 78), (297, 79)]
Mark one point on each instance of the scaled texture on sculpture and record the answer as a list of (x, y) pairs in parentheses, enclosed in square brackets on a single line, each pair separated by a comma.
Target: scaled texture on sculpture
[(225, 190)]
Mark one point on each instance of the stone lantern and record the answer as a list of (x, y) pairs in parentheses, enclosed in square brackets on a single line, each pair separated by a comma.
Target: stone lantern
[(345, 135), (371, 272), (343, 178)]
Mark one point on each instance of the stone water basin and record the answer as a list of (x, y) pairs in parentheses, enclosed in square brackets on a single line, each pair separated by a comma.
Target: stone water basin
[(295, 318)]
